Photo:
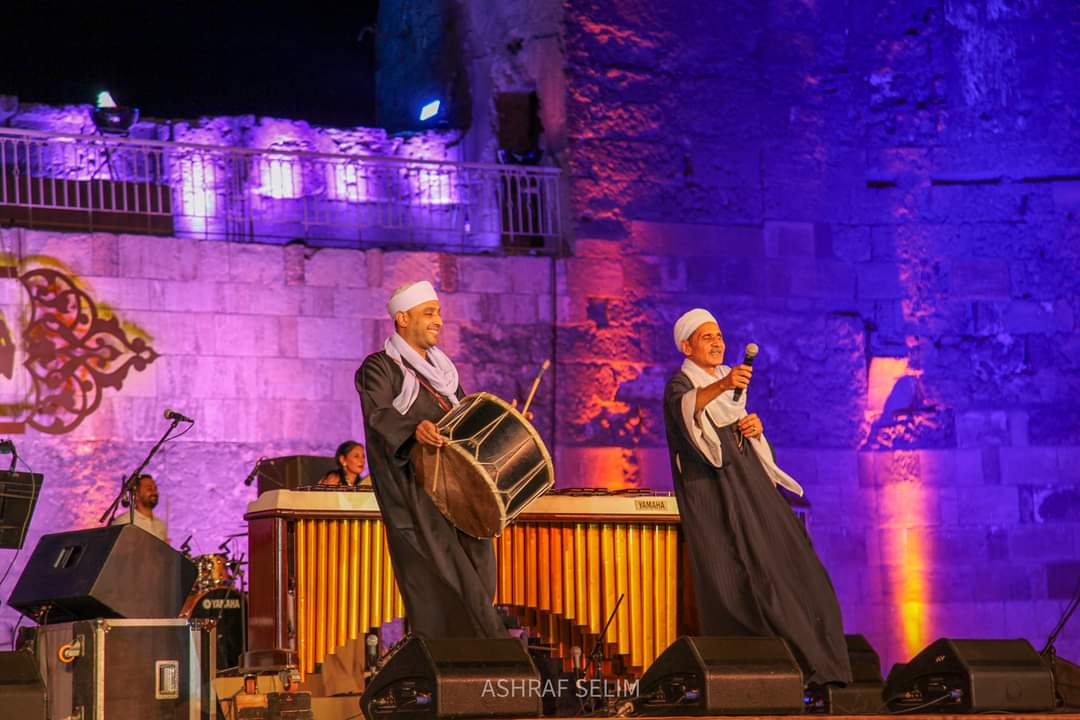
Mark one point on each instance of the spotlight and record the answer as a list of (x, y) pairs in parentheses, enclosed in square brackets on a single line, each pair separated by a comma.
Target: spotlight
[(430, 110), (105, 100), (110, 118)]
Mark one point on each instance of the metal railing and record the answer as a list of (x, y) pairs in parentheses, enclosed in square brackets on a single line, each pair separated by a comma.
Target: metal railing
[(242, 194)]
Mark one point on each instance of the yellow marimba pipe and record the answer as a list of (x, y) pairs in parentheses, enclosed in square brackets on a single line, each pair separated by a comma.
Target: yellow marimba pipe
[(302, 601)]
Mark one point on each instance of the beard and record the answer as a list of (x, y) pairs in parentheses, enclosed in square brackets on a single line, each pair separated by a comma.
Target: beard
[(151, 502)]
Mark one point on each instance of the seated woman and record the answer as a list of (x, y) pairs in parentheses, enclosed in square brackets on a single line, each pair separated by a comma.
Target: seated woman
[(351, 461)]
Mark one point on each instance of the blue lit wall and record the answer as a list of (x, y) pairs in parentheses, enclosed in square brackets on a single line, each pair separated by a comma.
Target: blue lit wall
[(884, 197)]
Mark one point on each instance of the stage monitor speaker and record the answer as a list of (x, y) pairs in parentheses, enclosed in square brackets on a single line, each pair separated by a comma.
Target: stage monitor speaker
[(452, 678), (864, 695), (119, 571), (293, 471), (1066, 681), (865, 663), (18, 496), (723, 676), (22, 693), (974, 676)]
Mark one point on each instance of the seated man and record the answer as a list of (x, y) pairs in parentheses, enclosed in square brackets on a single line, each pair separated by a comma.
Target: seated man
[(146, 499)]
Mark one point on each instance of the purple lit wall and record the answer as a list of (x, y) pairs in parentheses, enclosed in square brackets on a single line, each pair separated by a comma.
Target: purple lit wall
[(884, 197), (258, 343)]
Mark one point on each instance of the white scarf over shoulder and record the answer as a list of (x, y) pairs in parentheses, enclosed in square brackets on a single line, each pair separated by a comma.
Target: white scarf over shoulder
[(723, 410), (438, 369)]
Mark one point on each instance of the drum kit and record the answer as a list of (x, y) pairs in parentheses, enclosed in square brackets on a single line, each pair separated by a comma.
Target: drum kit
[(216, 601)]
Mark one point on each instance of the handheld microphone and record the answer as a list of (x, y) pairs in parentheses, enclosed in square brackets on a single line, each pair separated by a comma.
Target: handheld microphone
[(575, 659), (748, 361), (173, 415), (6, 447), (371, 657)]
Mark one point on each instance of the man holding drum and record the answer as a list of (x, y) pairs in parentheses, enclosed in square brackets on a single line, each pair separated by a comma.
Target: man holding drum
[(447, 578)]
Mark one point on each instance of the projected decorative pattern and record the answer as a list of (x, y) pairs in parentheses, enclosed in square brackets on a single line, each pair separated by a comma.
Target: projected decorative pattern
[(72, 352)]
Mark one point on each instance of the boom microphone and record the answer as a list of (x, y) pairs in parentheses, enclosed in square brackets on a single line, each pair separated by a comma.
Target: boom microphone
[(748, 360), (173, 415), (254, 471)]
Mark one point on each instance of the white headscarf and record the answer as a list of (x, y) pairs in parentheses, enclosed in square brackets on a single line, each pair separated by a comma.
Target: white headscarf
[(688, 323), (409, 296), (723, 410), (438, 369)]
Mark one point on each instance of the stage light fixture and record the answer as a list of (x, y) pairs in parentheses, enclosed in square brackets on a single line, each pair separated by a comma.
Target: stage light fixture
[(430, 110), (110, 118)]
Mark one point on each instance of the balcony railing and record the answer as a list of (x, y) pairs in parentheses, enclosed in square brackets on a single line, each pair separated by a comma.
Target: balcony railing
[(241, 194)]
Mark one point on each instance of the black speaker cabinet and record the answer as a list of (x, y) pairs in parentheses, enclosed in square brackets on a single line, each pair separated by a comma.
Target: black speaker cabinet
[(723, 676), (22, 693), (452, 678), (292, 471), (977, 676), (864, 695), (865, 663), (120, 571), (1066, 681)]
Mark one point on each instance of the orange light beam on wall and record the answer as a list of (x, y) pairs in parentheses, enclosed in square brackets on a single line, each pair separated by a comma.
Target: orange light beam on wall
[(908, 551)]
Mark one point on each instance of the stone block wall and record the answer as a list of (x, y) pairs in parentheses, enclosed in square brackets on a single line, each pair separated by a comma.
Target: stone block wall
[(259, 344), (883, 196)]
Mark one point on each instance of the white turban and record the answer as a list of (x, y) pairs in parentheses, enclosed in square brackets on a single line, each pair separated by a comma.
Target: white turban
[(410, 297), (689, 322)]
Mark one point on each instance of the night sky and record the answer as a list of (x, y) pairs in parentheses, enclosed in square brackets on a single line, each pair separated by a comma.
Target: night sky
[(309, 61)]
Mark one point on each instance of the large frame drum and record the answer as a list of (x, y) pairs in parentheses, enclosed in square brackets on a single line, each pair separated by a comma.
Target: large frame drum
[(493, 464)]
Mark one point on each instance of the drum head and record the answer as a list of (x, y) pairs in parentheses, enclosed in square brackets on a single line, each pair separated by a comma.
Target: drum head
[(460, 489), (224, 606)]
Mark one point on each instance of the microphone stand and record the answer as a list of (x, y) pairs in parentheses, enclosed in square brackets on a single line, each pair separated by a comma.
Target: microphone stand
[(596, 657), (131, 484), (1048, 650)]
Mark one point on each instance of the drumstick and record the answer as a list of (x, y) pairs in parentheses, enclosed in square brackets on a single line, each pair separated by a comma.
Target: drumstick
[(536, 384)]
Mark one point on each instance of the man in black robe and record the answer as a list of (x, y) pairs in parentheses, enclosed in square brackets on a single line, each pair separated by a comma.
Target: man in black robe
[(447, 579), (755, 571)]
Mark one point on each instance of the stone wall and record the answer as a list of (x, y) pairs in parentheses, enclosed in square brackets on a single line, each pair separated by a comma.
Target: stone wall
[(426, 50), (883, 196), (246, 131), (259, 344)]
